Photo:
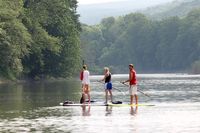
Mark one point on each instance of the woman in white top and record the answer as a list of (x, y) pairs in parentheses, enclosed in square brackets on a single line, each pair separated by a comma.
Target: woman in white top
[(86, 84)]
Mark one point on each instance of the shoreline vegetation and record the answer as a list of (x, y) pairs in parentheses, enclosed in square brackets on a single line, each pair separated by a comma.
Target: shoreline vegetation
[(196, 67), (52, 79)]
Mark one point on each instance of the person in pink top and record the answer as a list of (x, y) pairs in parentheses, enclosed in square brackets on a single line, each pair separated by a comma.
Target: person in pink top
[(132, 84), (86, 84)]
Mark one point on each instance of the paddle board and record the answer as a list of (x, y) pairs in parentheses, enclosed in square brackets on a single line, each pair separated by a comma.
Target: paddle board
[(103, 104)]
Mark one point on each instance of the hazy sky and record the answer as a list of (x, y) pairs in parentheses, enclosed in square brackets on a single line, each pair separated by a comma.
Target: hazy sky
[(92, 11), (86, 2), (96, 1)]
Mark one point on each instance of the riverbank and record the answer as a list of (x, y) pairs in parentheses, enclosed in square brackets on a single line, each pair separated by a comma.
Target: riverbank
[(3, 81), (6, 81)]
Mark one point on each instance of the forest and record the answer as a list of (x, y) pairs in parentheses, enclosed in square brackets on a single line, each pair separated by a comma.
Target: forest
[(39, 39), (44, 39), (153, 46)]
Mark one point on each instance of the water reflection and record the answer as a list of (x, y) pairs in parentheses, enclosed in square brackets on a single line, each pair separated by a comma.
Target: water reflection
[(108, 110), (26, 96), (34, 107), (134, 110), (85, 110)]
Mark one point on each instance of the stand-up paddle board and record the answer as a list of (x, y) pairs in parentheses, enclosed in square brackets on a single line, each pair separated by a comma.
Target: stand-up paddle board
[(116, 104)]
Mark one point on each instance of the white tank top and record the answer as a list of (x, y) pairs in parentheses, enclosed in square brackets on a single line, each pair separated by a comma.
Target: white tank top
[(86, 79)]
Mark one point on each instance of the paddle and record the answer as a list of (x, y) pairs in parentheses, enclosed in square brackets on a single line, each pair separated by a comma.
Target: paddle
[(113, 87), (138, 90), (82, 99)]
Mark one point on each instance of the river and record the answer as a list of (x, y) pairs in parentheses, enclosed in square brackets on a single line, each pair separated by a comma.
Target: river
[(34, 106)]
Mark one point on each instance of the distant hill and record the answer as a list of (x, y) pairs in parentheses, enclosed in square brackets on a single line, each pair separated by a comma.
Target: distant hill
[(176, 8), (155, 9), (92, 14)]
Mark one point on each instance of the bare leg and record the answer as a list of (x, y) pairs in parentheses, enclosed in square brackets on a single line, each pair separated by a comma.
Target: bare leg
[(136, 99), (83, 97), (89, 97), (131, 97), (87, 91), (106, 91), (83, 94), (111, 97)]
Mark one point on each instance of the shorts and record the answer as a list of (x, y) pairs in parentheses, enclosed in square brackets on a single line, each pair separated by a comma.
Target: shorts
[(133, 90), (108, 86)]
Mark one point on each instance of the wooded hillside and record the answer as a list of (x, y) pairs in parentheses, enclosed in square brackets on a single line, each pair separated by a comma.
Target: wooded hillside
[(39, 38), (168, 45)]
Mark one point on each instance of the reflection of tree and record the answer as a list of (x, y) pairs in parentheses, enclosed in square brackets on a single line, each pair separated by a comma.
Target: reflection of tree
[(85, 110), (108, 110), (11, 99), (133, 110)]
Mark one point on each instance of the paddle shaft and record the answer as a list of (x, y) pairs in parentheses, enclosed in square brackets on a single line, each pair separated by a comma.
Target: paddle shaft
[(138, 90), (113, 87)]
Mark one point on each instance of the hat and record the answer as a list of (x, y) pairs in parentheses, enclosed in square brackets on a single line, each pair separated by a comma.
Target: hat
[(131, 65)]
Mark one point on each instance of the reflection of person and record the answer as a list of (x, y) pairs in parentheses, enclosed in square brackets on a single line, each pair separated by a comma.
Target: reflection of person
[(108, 110), (86, 84), (132, 84), (85, 110), (108, 84), (133, 110)]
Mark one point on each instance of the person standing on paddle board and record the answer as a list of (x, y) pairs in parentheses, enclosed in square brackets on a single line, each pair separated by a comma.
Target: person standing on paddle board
[(81, 78), (85, 84), (132, 84), (108, 84)]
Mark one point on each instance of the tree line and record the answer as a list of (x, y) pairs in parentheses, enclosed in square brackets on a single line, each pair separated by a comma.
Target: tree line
[(39, 38), (168, 45)]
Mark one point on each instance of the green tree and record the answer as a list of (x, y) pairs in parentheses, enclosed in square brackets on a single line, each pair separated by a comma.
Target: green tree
[(168, 45), (92, 43), (168, 30), (14, 39), (186, 48), (55, 28), (196, 67)]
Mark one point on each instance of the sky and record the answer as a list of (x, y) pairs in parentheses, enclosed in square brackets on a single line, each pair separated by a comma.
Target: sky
[(86, 2), (92, 11)]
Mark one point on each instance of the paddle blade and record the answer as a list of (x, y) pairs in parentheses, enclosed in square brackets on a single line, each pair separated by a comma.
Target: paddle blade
[(82, 99)]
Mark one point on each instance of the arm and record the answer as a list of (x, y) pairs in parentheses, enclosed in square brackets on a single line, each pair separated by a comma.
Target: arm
[(130, 78), (104, 78)]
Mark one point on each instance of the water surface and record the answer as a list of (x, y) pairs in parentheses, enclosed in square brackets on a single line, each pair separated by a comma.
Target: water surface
[(34, 107)]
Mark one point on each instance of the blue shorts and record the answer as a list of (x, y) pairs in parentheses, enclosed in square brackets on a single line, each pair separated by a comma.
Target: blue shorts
[(108, 86)]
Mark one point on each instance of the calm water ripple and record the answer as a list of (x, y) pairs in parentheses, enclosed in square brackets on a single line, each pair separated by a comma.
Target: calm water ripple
[(34, 107)]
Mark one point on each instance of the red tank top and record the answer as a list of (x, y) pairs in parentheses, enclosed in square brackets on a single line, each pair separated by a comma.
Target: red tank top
[(133, 81)]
